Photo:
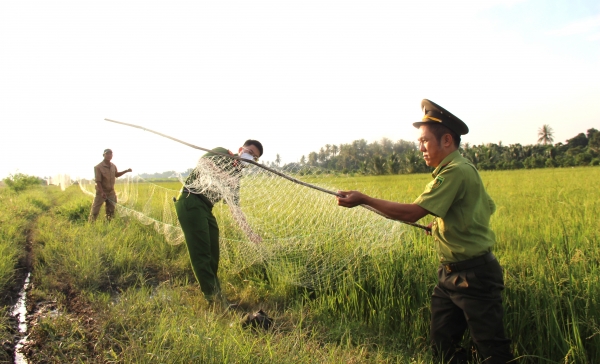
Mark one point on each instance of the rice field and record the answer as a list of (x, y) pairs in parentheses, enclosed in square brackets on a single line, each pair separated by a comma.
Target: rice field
[(120, 292)]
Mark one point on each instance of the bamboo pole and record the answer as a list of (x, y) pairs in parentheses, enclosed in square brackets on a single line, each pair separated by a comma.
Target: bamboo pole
[(289, 178)]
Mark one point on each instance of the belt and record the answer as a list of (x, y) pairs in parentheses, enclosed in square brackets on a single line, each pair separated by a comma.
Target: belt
[(470, 263)]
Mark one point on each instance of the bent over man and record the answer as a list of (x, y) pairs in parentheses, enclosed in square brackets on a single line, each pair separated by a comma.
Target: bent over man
[(194, 211), (105, 176), (468, 292)]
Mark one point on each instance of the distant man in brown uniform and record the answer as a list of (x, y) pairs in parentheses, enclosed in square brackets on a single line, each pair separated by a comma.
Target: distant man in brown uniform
[(105, 175)]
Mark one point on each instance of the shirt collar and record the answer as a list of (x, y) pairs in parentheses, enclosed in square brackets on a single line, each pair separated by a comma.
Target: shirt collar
[(449, 158)]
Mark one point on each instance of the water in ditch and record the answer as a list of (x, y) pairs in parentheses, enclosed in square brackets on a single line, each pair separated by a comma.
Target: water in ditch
[(20, 312)]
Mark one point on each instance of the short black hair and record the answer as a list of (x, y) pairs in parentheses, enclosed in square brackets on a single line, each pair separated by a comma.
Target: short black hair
[(439, 130), (256, 143)]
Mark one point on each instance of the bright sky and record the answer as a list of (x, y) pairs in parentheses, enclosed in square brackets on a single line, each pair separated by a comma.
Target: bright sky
[(295, 75)]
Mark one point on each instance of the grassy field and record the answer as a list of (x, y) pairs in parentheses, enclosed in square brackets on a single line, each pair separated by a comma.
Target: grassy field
[(119, 292)]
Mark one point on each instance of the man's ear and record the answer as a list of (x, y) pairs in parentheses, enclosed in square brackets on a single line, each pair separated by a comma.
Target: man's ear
[(240, 150), (447, 140)]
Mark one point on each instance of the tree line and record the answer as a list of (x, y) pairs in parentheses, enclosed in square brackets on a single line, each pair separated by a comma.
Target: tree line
[(402, 157)]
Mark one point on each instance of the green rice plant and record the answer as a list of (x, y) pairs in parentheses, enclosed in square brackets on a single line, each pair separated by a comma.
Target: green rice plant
[(367, 300), (547, 234)]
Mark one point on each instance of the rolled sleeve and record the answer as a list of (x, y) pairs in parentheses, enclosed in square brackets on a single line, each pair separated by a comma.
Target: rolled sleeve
[(441, 193)]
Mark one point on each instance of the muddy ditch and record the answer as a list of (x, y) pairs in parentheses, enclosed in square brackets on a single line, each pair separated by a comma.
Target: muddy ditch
[(14, 300), (23, 340)]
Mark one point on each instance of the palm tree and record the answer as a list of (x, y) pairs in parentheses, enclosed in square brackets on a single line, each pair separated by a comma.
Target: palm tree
[(312, 159), (545, 134), (334, 150)]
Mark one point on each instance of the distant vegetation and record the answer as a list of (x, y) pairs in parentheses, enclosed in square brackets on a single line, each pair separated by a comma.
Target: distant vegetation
[(19, 182), (164, 176), (402, 157)]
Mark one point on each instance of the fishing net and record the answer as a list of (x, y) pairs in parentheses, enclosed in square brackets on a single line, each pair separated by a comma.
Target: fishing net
[(305, 238), (61, 180)]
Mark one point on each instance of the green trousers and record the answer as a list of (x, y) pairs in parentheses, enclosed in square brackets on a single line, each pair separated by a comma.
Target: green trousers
[(202, 239)]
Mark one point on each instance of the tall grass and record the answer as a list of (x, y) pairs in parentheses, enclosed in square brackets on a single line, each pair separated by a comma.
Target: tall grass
[(147, 307), (548, 233), (17, 212)]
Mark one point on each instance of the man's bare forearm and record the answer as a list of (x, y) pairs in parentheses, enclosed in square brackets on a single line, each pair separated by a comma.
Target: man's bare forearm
[(394, 210), (119, 174), (397, 211)]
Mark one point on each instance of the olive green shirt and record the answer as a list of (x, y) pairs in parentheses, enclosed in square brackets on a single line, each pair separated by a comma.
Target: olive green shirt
[(458, 199)]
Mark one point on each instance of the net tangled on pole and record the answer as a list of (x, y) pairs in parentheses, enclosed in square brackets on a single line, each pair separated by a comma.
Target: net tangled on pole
[(306, 237)]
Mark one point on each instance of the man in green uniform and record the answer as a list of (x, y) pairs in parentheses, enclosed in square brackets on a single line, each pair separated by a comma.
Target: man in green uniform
[(105, 174), (468, 293), (215, 178)]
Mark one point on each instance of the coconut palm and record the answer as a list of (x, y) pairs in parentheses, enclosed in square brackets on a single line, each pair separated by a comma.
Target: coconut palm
[(545, 134), (334, 150)]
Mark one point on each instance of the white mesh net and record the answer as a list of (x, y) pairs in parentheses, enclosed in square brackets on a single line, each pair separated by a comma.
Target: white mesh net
[(306, 238), (61, 180)]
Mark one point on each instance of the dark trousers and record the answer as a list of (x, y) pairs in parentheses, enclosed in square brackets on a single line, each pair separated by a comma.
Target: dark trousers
[(202, 239), (471, 299)]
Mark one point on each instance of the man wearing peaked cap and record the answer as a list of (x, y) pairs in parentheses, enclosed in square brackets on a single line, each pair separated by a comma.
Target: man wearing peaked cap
[(468, 292)]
